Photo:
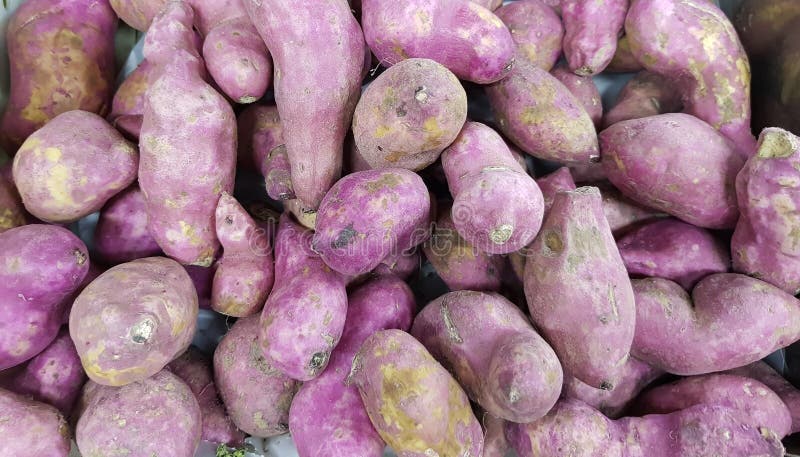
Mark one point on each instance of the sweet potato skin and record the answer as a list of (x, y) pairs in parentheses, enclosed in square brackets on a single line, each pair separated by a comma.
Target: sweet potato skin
[(121, 234), (113, 421), (675, 250), (181, 210), (260, 130), (765, 374), (536, 30), (69, 168), (542, 117), (369, 216), (256, 395), (584, 89), (138, 14), (196, 370), (739, 320), (481, 171), (385, 302), (761, 406), (647, 94), (591, 31), (55, 376), (764, 244), (26, 422), (409, 114), (244, 274), (133, 320), (714, 81), (12, 211), (494, 437), (43, 265), (401, 384), (553, 183), (494, 353), (127, 107), (463, 36), (325, 97), (61, 55), (639, 154), (599, 316)]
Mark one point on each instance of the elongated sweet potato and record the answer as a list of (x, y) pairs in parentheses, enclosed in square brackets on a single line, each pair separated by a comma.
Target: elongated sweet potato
[(61, 54), (695, 431), (738, 319), (141, 419), (494, 353), (121, 234), (591, 325), (188, 144), (674, 38), (591, 31), (43, 265), (766, 242), (256, 395), (542, 117), (674, 250), (409, 114), (584, 89), (757, 403), (345, 428), (304, 316), (325, 97), (370, 216), (244, 274), (134, 319), (658, 161), (414, 403), (463, 36), (25, 423), (536, 30), (647, 94), (765, 374), (69, 168)]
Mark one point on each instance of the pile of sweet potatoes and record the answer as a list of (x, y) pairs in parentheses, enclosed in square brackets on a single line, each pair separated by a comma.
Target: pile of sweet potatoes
[(419, 224)]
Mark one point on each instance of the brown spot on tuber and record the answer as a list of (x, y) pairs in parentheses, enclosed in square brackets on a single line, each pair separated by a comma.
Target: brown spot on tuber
[(344, 238), (553, 242), (80, 257)]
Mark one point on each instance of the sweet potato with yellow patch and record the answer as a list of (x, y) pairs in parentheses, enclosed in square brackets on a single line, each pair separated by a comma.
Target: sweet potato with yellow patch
[(536, 30)]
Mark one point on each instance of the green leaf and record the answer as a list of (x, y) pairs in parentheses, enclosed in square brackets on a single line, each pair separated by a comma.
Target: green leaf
[(224, 451)]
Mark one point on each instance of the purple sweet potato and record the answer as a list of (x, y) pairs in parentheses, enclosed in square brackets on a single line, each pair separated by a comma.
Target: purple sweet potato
[(636, 375), (536, 30), (587, 173), (621, 212), (256, 395), (701, 430), (757, 403), (590, 324), (624, 60), (61, 55), (244, 274), (196, 370), (32, 428), (766, 243), (553, 183), (278, 174), (343, 427), (133, 320), (409, 114), (42, 266), (260, 131), (203, 279), (138, 14), (121, 234), (493, 352), (647, 94), (304, 315), (188, 144), (158, 415), (127, 108), (736, 319), (414, 403), (461, 265), (591, 31), (55, 376), (12, 211), (369, 216), (542, 117), (463, 36), (674, 163), (497, 206), (674, 250), (403, 265), (693, 43), (765, 374), (325, 97), (584, 89), (69, 168), (494, 437)]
